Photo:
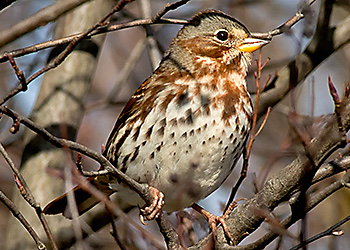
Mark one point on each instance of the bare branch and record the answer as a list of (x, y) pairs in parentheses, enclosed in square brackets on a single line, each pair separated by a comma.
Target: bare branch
[(320, 47), (313, 201), (142, 189), (28, 196), (327, 232), (169, 7), (17, 214), (279, 187), (40, 18)]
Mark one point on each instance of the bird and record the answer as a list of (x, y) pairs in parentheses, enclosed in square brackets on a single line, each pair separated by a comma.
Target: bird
[(186, 126)]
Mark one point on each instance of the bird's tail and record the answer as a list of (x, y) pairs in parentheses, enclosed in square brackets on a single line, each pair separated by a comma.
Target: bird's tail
[(84, 200)]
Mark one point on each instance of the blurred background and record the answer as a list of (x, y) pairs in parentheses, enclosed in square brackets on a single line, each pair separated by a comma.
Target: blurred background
[(274, 148)]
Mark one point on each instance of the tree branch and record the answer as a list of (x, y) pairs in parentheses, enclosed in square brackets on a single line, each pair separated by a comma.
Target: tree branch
[(42, 17), (279, 187), (323, 44)]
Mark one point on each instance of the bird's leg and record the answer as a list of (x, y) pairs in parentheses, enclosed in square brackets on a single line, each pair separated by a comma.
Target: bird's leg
[(214, 220), (152, 211)]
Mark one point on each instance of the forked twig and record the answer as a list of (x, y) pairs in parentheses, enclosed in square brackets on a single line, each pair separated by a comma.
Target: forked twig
[(328, 232), (28, 196), (253, 134), (142, 189), (148, 21), (17, 214)]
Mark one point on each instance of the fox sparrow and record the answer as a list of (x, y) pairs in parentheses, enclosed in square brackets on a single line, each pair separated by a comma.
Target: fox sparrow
[(184, 129)]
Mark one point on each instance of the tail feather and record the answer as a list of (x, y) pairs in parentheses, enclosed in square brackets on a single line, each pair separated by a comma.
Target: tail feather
[(84, 201)]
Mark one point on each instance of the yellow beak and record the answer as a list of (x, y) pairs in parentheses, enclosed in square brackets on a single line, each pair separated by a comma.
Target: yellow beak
[(250, 44)]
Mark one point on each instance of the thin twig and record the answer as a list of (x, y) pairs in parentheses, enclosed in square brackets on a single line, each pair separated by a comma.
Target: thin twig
[(22, 86), (64, 143), (142, 189), (149, 21), (40, 18), (168, 7), (64, 54), (102, 30), (153, 50), (337, 106), (247, 150), (264, 122), (327, 232), (285, 26), (27, 195), (313, 201), (17, 214)]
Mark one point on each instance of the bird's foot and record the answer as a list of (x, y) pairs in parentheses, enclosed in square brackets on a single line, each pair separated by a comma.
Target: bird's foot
[(152, 211), (214, 220)]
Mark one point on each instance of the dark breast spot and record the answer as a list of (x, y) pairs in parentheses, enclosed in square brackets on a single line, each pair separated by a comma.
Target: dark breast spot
[(182, 99), (182, 120), (189, 116), (122, 139), (205, 100), (159, 147), (243, 129), (237, 128), (125, 159), (136, 133), (162, 123), (135, 154), (160, 131), (237, 119), (149, 132), (173, 122), (123, 168)]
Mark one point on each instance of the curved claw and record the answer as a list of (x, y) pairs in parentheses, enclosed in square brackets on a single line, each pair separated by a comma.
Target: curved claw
[(152, 211)]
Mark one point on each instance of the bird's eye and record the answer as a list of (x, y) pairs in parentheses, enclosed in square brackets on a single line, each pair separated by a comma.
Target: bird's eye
[(222, 35)]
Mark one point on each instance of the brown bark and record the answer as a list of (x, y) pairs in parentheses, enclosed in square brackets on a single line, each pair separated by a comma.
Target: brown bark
[(59, 108)]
